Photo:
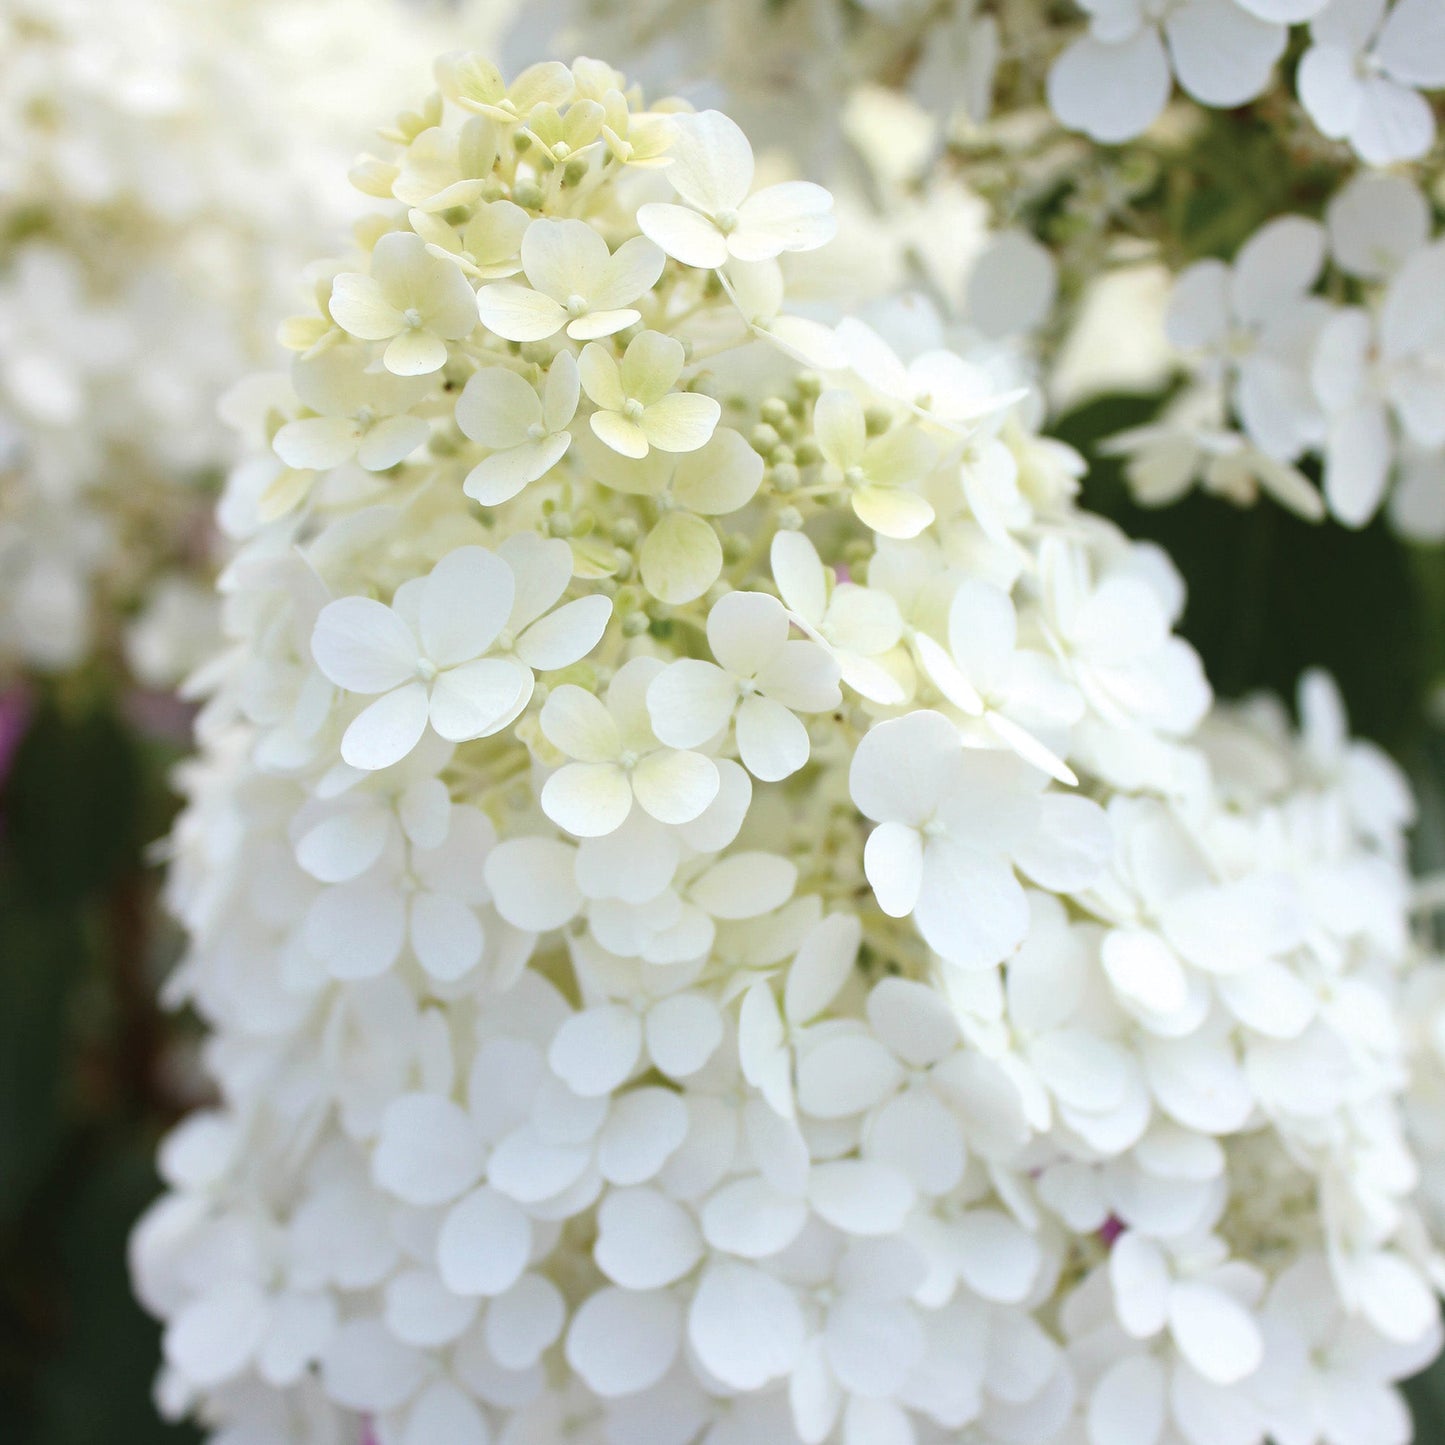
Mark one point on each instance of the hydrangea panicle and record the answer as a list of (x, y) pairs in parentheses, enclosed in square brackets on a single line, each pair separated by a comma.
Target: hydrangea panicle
[(723, 908)]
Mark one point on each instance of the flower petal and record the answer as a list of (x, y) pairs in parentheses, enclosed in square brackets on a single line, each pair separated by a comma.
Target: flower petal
[(971, 908), (363, 646), (415, 353), (1111, 92), (390, 441), (594, 1051), (533, 882), (496, 407), (690, 702), (893, 863), (589, 800), (359, 307), (745, 1325), (478, 698), (484, 1244), (501, 476), (719, 477), (427, 1151), (386, 731), (680, 558), (566, 635), (683, 234), (576, 722), (319, 442), (712, 162), (445, 935), (623, 1341), (790, 216), (675, 787), (632, 270), (644, 1239), (624, 436), (465, 602), (1222, 55), (772, 743)]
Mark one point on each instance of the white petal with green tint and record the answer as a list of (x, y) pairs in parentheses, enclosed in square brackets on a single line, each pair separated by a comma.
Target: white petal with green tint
[(675, 786), (517, 313), (478, 698), (577, 723), (680, 558)]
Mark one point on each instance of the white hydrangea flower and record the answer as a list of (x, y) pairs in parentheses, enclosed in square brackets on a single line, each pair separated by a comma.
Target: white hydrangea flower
[(1376, 222), (1112, 634), (937, 385), (412, 299), (1212, 1326), (488, 247), (360, 414), (475, 84), (1361, 77), (758, 684), (618, 759), (528, 435), (757, 290), (953, 826), (879, 473), (1114, 82), (681, 556), (856, 624), (425, 894), (712, 172), (1355, 385), (637, 408), (1374, 373), (1257, 323), (430, 655), (575, 282)]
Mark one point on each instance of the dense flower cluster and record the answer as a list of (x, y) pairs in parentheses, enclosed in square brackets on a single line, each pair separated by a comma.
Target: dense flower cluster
[(1020, 83), (1281, 369), (165, 176), (724, 912)]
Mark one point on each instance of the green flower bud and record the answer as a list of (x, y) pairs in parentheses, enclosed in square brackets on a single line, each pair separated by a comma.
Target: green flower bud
[(764, 438)]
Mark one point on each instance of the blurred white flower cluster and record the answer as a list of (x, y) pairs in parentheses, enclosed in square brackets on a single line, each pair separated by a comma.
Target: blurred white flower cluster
[(1282, 366), (1360, 78), (724, 913), (167, 169), (1107, 70)]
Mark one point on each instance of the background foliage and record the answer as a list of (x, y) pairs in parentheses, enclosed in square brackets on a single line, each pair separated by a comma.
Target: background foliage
[(86, 1082)]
